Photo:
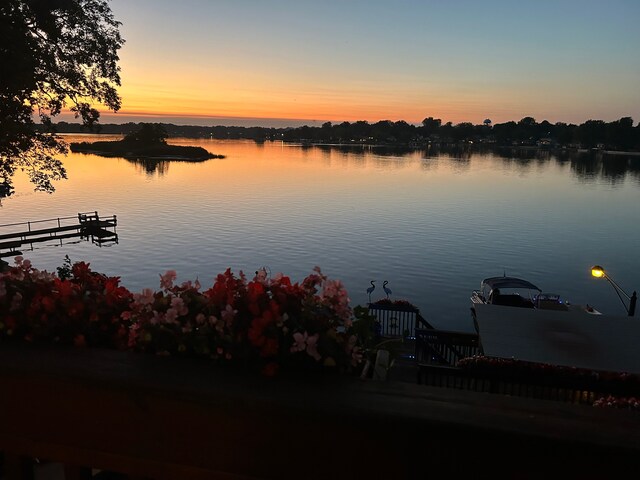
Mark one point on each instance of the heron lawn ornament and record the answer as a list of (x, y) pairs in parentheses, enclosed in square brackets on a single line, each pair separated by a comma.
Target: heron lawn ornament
[(386, 289), (371, 289)]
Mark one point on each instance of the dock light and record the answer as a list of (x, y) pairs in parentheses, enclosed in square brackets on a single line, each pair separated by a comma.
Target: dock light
[(598, 272)]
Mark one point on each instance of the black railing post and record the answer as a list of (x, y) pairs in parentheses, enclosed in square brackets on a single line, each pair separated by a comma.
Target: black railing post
[(632, 304)]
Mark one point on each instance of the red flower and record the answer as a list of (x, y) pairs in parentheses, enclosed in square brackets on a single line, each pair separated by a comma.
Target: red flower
[(49, 304), (63, 287), (81, 270)]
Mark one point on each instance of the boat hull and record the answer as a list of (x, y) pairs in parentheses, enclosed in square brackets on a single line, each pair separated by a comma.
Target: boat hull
[(572, 338)]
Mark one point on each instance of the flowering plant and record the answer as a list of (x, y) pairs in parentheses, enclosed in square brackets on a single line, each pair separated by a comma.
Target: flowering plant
[(265, 322), (611, 401), (271, 322), (84, 308)]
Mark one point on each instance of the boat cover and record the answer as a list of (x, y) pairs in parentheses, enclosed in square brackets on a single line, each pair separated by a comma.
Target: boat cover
[(508, 282)]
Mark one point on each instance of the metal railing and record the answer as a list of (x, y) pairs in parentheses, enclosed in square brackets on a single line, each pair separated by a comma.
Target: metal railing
[(398, 321), (443, 347)]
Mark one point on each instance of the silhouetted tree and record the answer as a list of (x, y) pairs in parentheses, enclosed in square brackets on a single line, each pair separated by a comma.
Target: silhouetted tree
[(431, 125), (621, 134), (149, 134), (565, 134), (53, 53), (505, 133), (592, 132), (463, 131), (446, 132)]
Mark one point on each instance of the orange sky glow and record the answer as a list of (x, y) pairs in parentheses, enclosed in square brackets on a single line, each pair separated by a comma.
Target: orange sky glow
[(200, 61)]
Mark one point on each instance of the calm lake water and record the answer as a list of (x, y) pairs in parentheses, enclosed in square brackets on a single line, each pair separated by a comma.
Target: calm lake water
[(431, 223)]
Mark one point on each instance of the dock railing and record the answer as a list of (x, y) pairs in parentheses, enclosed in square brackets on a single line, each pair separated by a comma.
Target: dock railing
[(444, 347), (89, 225), (398, 320)]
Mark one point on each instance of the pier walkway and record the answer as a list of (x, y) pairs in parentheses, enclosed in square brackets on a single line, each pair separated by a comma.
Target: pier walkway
[(87, 226)]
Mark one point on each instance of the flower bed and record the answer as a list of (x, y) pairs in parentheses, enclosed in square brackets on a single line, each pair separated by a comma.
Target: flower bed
[(508, 369), (266, 323)]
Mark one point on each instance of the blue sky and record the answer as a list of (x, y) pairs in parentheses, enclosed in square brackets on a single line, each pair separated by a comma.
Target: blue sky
[(459, 61)]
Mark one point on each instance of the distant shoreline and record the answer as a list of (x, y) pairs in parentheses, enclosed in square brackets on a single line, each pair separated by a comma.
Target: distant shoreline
[(614, 138), (87, 147)]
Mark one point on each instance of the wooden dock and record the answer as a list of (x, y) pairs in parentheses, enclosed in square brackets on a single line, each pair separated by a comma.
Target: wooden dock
[(85, 226)]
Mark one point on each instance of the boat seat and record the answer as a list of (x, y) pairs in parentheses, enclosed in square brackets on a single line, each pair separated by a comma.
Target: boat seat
[(512, 301)]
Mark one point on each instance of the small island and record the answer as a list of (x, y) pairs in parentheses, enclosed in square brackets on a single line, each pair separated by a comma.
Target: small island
[(148, 143)]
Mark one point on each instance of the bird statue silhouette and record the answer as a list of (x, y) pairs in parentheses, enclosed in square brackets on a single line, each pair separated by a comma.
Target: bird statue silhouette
[(371, 289), (386, 289)]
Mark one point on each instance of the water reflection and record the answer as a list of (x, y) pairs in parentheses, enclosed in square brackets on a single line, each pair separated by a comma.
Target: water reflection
[(150, 167), (434, 221), (586, 165), (160, 168)]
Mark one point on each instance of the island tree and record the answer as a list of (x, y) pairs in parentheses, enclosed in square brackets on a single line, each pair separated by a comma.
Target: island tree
[(56, 54)]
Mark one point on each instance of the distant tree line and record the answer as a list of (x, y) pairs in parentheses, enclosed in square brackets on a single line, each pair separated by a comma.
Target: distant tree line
[(619, 135)]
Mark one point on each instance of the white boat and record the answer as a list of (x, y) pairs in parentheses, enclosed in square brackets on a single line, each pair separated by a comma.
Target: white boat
[(516, 292), (529, 325)]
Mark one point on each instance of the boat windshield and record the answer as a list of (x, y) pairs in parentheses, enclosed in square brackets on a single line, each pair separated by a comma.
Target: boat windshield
[(507, 282)]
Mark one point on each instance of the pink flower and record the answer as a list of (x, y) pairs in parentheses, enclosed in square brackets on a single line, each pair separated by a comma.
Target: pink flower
[(335, 294), (261, 275), (166, 280), (178, 305), (133, 335), (171, 315), (312, 347), (144, 298), (302, 342), (227, 315), (157, 318)]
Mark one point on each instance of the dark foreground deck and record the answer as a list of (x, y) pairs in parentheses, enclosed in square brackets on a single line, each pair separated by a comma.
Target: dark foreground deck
[(171, 418)]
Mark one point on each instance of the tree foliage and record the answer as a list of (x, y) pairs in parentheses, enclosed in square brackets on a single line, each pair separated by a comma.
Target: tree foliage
[(54, 53), (149, 134)]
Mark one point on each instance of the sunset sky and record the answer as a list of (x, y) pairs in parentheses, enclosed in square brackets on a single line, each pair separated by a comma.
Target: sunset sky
[(250, 62)]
